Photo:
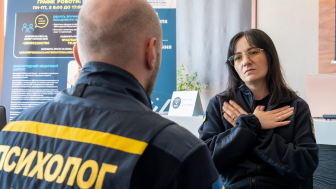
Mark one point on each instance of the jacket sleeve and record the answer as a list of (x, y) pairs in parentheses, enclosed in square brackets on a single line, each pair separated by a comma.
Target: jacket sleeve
[(298, 160), (191, 175), (227, 145)]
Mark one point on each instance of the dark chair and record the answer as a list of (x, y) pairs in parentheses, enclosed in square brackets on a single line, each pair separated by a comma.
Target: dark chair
[(308, 185), (324, 176), (2, 117)]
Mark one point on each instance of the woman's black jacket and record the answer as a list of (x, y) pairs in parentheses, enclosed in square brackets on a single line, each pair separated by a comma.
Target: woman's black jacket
[(248, 157)]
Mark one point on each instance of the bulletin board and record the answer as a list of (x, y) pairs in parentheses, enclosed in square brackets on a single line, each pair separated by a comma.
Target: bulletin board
[(327, 31)]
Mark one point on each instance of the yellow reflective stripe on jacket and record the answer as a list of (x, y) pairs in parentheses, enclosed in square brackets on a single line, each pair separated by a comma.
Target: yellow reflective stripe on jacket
[(78, 135), (72, 168)]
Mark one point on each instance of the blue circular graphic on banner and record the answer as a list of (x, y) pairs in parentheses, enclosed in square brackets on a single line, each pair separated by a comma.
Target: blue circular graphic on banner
[(176, 102)]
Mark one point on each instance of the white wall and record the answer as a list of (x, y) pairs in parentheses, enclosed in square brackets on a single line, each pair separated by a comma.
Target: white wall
[(5, 15), (293, 27), (203, 32)]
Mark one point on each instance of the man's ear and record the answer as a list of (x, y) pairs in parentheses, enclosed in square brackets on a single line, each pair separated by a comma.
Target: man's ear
[(151, 53), (75, 52)]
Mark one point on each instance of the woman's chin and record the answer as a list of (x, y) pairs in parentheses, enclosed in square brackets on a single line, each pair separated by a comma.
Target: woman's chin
[(251, 80)]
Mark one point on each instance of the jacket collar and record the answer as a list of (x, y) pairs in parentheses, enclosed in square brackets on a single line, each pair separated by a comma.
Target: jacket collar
[(247, 95), (250, 97), (244, 89), (115, 79)]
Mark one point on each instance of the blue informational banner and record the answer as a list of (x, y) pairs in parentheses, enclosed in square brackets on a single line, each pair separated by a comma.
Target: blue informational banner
[(38, 60), (166, 80), (38, 48)]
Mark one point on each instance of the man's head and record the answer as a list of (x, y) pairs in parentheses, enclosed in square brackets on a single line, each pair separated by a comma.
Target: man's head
[(124, 33)]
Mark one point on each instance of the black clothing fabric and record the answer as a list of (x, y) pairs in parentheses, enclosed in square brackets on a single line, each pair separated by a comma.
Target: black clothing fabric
[(263, 102), (166, 171), (102, 133), (248, 157)]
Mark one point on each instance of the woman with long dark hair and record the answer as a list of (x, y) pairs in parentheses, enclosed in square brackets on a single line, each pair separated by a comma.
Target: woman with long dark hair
[(259, 132)]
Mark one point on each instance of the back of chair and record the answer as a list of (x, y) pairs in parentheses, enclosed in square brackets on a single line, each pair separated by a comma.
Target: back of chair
[(2, 117), (309, 184)]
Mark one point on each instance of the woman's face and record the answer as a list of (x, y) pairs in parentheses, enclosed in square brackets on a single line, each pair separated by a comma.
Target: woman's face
[(251, 71)]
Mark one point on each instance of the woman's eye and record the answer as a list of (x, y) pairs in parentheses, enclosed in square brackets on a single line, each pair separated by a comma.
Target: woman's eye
[(237, 58), (254, 52)]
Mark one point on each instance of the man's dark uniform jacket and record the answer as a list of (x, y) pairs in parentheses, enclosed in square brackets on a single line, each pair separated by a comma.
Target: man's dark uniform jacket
[(248, 157), (102, 133)]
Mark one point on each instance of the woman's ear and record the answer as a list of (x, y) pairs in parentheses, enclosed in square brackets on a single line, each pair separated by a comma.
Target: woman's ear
[(75, 52)]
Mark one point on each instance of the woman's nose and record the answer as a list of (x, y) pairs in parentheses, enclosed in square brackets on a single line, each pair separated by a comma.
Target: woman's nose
[(246, 60)]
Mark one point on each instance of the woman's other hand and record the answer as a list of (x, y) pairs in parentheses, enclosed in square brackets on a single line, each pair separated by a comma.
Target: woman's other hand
[(232, 111), (275, 118)]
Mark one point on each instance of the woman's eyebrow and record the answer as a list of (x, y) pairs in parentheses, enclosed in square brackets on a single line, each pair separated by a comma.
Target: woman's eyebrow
[(247, 50)]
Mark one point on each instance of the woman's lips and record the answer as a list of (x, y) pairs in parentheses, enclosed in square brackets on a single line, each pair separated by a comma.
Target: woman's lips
[(249, 70)]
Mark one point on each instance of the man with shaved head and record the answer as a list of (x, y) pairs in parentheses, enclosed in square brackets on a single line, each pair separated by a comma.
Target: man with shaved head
[(102, 132)]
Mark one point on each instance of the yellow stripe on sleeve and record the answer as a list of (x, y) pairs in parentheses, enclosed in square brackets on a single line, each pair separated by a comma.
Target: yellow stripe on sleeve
[(78, 135)]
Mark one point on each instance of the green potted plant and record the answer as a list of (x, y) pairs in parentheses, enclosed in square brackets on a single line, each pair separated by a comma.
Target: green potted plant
[(186, 82)]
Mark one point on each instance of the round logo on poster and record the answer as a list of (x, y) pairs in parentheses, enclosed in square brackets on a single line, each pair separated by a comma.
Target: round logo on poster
[(176, 102)]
